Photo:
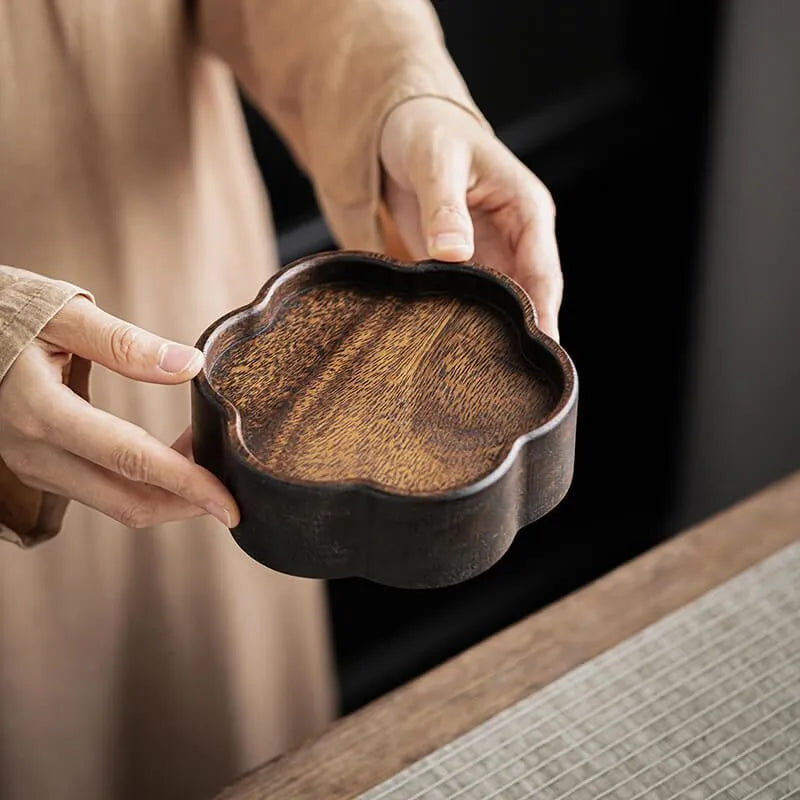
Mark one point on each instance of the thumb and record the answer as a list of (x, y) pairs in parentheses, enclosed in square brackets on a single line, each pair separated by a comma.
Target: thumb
[(87, 331), (440, 175)]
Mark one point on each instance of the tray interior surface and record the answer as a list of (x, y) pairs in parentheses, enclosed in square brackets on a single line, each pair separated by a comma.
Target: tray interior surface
[(411, 392)]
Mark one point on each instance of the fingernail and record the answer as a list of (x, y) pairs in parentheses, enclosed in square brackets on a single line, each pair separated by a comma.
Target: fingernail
[(220, 512), (450, 241), (177, 358)]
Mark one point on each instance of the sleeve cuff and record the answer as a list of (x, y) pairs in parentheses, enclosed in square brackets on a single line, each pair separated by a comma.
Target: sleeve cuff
[(27, 303)]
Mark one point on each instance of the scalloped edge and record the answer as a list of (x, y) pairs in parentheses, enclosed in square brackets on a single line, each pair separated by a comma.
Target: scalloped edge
[(232, 418)]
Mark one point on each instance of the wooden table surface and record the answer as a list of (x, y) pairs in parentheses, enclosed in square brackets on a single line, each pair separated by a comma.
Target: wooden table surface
[(374, 743)]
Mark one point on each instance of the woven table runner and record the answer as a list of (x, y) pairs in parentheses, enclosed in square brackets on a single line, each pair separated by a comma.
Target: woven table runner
[(703, 704)]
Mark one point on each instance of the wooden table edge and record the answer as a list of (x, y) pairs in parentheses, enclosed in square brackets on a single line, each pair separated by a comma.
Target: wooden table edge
[(365, 748)]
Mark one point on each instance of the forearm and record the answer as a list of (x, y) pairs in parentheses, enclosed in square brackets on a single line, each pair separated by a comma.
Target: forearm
[(327, 73)]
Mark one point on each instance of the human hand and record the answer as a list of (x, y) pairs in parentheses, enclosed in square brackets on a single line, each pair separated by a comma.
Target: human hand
[(56, 441), (455, 192)]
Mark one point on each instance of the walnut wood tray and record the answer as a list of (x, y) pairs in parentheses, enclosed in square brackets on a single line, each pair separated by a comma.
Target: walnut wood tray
[(400, 422)]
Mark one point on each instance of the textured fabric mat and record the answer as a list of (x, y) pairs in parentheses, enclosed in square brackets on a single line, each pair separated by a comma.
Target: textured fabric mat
[(703, 704)]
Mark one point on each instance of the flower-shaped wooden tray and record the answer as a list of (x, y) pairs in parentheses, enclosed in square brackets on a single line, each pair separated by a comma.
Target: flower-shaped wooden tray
[(400, 422)]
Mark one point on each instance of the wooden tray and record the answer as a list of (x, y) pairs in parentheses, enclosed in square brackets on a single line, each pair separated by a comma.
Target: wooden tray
[(400, 422)]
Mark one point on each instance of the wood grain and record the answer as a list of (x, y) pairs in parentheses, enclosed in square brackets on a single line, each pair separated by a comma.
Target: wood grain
[(378, 741), (412, 393), (358, 396)]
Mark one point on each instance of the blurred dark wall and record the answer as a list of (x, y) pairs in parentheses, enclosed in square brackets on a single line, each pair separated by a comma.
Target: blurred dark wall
[(743, 397), (609, 102)]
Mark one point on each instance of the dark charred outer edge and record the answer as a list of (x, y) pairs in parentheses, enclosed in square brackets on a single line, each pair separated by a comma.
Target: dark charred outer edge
[(332, 530)]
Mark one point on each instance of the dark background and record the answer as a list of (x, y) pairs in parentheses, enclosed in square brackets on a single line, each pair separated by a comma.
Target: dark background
[(614, 105)]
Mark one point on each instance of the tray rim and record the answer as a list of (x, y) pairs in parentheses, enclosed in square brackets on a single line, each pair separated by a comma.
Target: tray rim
[(231, 418)]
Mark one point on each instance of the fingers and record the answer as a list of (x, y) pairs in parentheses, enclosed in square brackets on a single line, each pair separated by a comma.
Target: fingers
[(459, 175), (521, 209), (135, 505), (132, 453), (402, 233), (84, 329), (538, 267), (49, 437), (440, 175)]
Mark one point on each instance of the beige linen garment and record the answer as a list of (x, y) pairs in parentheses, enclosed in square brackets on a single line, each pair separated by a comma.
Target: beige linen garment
[(163, 662)]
